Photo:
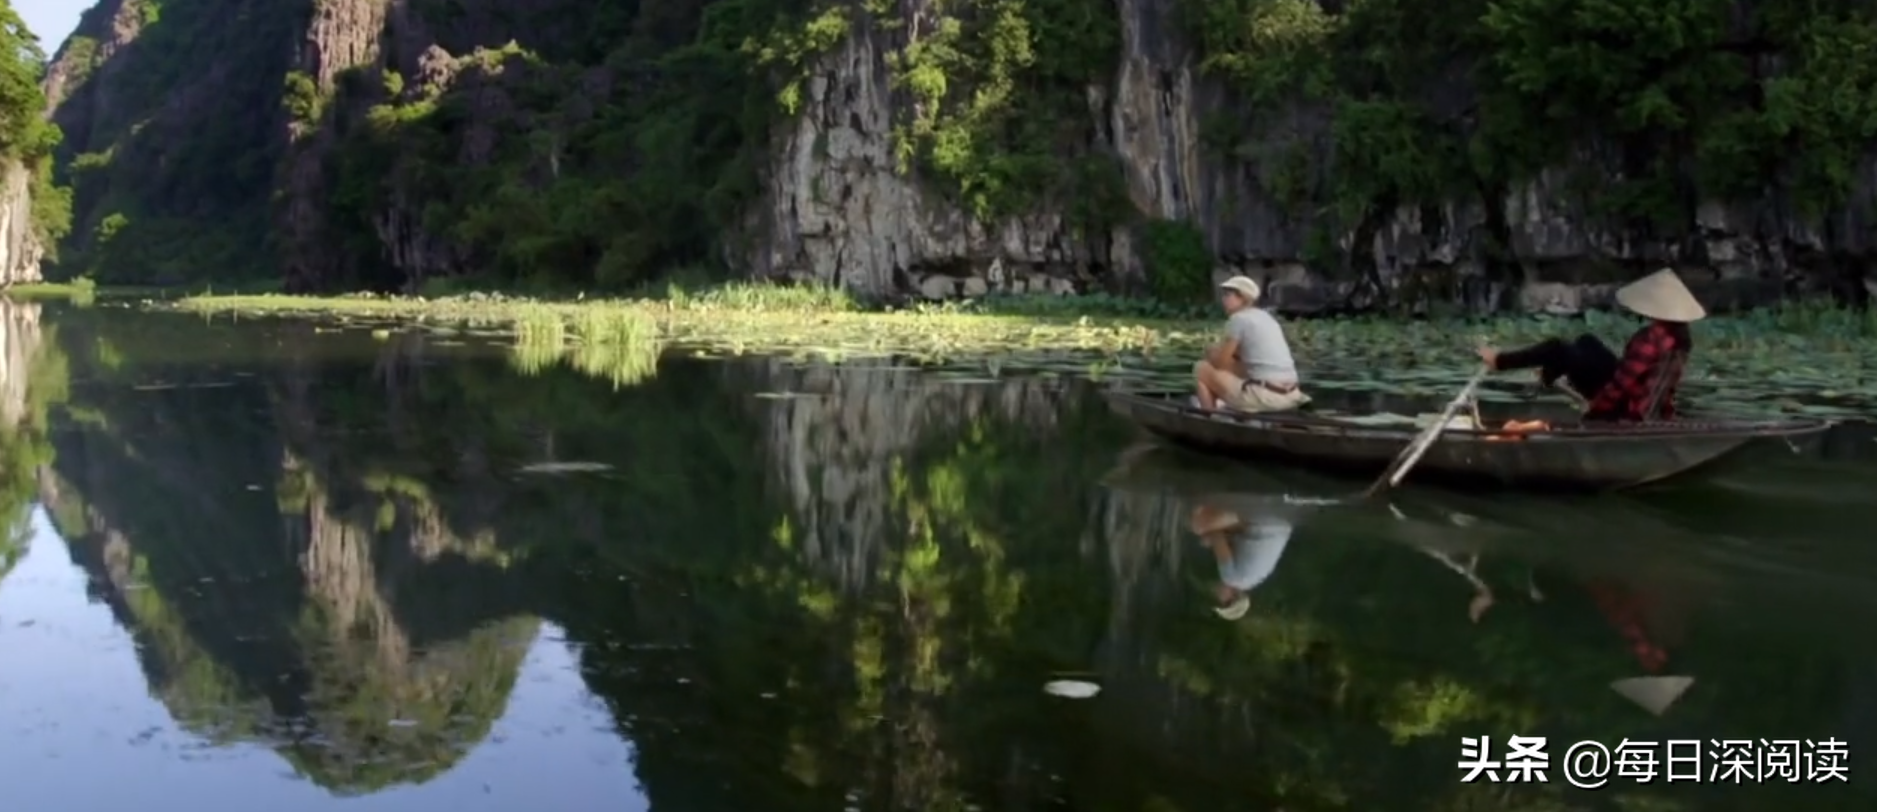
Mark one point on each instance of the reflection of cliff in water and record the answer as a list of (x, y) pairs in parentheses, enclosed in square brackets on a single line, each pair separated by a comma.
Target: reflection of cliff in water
[(19, 349), (337, 623), (846, 598), (32, 375), (844, 440)]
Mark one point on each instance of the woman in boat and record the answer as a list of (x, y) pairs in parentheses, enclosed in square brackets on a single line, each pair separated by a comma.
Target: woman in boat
[(1251, 369), (1247, 551), (1639, 386)]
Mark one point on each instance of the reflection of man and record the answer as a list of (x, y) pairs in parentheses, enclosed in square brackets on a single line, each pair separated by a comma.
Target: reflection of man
[(1246, 550)]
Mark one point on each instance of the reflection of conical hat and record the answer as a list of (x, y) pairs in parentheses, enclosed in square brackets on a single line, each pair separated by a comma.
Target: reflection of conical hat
[(1234, 610), (1661, 295), (1654, 694)]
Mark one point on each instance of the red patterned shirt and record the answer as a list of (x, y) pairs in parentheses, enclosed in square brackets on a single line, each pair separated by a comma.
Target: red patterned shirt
[(1626, 610), (1645, 360)]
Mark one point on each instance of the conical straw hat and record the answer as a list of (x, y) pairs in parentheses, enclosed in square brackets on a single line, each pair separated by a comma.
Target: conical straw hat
[(1662, 296)]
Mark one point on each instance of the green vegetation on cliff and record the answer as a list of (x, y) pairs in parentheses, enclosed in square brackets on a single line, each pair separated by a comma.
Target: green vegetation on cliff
[(640, 149), (600, 146), (171, 142), (25, 136), (1656, 106)]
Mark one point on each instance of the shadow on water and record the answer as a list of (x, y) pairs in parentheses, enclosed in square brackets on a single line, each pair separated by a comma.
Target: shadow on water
[(803, 588)]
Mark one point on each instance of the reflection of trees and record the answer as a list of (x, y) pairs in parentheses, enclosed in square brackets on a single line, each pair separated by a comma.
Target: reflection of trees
[(847, 596), (278, 596), (32, 377)]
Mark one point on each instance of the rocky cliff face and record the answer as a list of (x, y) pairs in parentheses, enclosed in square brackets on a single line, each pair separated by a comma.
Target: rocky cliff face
[(20, 247), (171, 120), (834, 201), (837, 210)]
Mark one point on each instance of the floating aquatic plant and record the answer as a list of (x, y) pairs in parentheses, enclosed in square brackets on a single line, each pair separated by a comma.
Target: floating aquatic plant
[(1798, 358)]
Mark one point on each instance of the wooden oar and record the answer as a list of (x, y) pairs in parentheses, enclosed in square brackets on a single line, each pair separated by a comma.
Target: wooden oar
[(1399, 469), (1576, 398)]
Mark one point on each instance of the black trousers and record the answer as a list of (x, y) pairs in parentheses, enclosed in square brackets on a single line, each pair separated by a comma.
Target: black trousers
[(1586, 363)]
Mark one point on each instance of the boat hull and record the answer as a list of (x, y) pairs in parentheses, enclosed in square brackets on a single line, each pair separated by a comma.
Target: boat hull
[(1589, 457)]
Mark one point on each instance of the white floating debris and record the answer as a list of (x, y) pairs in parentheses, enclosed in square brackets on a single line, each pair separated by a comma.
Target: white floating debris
[(1071, 688), (565, 467)]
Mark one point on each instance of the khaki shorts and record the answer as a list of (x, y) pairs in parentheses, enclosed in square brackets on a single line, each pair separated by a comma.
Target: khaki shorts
[(1260, 398)]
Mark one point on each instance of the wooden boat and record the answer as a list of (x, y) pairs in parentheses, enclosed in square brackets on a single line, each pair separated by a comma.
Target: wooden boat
[(1595, 456)]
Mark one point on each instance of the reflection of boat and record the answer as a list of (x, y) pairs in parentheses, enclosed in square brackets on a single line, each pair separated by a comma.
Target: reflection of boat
[(1566, 456), (1457, 532), (1151, 467)]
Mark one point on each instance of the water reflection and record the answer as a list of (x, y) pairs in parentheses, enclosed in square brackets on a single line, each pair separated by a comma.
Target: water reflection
[(1580, 621), (30, 380), (797, 588)]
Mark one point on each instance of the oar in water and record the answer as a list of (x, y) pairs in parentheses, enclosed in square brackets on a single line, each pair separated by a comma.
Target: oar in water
[(1563, 388), (1411, 455)]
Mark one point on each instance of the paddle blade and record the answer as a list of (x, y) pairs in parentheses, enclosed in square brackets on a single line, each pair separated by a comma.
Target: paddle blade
[(1654, 694)]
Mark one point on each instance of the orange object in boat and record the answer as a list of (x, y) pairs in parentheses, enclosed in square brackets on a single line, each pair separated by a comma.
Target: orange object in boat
[(1517, 429)]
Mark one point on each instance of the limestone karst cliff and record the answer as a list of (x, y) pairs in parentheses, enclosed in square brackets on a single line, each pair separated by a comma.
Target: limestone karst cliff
[(34, 213), (1343, 151), (22, 244)]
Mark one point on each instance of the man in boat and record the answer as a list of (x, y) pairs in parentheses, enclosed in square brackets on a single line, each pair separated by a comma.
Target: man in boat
[(1251, 369), (1639, 386), (1247, 551)]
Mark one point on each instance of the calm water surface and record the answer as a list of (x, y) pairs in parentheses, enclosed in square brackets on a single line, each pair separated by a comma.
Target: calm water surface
[(269, 565)]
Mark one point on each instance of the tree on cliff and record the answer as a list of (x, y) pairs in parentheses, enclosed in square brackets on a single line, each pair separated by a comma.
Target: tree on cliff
[(26, 135), (24, 131)]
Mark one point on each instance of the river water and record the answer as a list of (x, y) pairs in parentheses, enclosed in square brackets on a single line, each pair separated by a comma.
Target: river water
[(282, 566)]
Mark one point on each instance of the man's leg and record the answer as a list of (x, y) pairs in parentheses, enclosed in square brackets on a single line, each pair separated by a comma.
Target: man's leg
[(1259, 398), (1212, 385)]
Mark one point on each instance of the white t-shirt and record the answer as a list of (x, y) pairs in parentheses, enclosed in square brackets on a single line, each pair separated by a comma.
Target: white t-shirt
[(1263, 352), (1256, 549)]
